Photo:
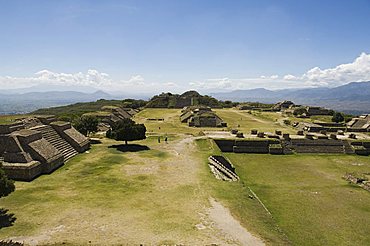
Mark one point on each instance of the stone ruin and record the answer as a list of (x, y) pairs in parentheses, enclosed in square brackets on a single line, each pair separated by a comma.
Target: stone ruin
[(320, 126), (33, 146), (358, 179), (286, 144), (222, 168), (111, 114), (311, 111), (252, 146), (281, 106), (201, 116), (360, 124)]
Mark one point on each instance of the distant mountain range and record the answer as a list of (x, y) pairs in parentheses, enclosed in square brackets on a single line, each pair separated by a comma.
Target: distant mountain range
[(351, 98), (26, 102)]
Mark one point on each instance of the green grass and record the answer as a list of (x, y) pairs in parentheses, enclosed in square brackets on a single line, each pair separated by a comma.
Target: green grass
[(235, 195), (308, 198), (245, 122), (8, 119)]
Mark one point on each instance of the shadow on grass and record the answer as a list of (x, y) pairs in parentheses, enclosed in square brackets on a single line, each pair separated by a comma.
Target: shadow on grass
[(6, 219), (130, 147), (95, 141)]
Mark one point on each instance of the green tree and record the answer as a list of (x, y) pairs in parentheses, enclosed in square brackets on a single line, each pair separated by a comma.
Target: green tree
[(337, 117), (6, 185), (300, 111), (127, 130), (86, 124)]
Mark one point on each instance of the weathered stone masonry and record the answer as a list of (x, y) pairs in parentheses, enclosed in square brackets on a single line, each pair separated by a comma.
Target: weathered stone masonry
[(29, 150)]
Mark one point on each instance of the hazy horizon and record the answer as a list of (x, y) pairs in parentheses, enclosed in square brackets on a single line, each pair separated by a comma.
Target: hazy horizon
[(147, 47)]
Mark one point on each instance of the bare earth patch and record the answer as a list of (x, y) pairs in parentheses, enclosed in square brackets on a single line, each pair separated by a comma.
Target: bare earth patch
[(229, 226)]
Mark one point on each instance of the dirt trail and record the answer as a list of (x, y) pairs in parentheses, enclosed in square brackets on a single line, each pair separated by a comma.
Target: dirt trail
[(224, 221)]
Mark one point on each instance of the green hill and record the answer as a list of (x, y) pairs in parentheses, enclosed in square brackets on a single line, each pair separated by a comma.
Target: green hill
[(69, 112), (189, 98)]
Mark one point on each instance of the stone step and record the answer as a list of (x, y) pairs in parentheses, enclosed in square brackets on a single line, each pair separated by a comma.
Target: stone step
[(59, 143)]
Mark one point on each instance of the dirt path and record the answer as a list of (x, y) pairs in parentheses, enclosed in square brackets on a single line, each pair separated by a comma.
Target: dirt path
[(224, 221)]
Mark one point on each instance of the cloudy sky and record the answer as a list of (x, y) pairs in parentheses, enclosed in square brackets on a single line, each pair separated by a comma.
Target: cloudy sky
[(175, 45)]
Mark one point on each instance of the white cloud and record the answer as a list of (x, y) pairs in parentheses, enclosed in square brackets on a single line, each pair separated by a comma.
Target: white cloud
[(290, 77), (219, 83), (45, 77), (356, 71), (274, 76)]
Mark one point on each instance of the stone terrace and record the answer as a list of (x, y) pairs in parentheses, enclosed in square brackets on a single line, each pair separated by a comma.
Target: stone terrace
[(33, 146)]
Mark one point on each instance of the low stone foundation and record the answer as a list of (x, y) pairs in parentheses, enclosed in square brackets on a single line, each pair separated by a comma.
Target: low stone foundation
[(23, 171), (258, 146)]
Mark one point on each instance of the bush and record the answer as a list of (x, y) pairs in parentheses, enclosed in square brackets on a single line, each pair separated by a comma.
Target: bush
[(287, 122), (337, 117)]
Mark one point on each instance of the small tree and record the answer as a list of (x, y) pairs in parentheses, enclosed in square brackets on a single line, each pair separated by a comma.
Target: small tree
[(87, 124), (127, 130), (6, 185), (337, 117), (300, 111)]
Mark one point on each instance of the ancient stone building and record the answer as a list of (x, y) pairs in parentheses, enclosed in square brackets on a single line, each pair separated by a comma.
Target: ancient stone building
[(281, 106), (111, 114), (201, 117), (311, 111), (34, 146), (360, 124)]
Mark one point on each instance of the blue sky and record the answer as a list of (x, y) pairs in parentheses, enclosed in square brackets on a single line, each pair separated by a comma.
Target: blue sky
[(182, 44)]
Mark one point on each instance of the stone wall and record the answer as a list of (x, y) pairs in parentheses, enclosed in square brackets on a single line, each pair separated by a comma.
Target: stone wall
[(225, 145), (23, 171), (246, 146), (3, 140), (317, 146), (9, 128)]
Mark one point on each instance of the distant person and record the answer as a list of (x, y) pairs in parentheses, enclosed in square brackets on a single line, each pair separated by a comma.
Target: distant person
[(159, 139), (165, 139)]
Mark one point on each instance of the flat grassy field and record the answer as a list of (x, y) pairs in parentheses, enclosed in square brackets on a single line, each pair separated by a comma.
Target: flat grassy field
[(8, 119), (158, 194), (307, 196)]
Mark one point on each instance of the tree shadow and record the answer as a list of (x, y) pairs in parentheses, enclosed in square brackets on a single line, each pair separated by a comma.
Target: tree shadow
[(130, 147), (95, 141), (6, 219)]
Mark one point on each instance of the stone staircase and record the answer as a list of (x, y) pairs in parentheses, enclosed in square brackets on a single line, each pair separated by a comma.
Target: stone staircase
[(222, 168), (59, 143)]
